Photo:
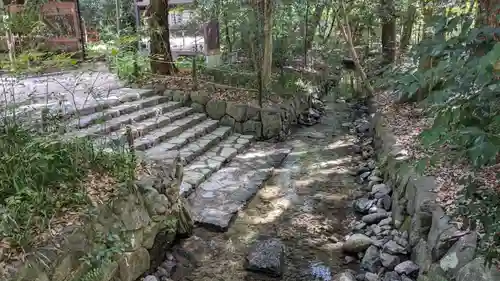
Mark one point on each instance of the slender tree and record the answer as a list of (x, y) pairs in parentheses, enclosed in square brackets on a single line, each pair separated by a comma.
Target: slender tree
[(408, 24), (161, 52), (388, 19)]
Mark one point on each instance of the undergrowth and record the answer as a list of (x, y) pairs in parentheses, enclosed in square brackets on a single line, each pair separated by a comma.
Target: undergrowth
[(460, 91), (42, 177)]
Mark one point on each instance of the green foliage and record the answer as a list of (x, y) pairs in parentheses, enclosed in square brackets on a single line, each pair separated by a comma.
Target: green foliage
[(464, 91), (461, 92), (94, 274), (126, 61), (480, 204), (41, 176), (106, 247)]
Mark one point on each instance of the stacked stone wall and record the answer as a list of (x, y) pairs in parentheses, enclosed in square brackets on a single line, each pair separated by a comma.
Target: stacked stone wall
[(118, 242), (441, 250)]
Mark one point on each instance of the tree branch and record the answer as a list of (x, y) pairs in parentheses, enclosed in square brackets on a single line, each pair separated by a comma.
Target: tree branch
[(346, 31)]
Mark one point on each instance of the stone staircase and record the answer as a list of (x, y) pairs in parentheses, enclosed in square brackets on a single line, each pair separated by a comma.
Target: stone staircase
[(222, 169)]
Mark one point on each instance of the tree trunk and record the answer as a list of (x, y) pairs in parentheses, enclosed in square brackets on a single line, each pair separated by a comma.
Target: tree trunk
[(346, 31), (388, 31), (228, 37), (161, 53), (408, 28), (426, 60), (330, 28), (313, 25), (490, 9), (268, 43), (305, 32)]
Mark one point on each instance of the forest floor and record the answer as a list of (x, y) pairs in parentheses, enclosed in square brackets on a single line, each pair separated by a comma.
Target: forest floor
[(407, 121)]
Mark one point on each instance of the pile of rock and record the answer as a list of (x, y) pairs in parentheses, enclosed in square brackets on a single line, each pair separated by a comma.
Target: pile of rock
[(382, 250), (402, 233), (312, 115), (164, 270)]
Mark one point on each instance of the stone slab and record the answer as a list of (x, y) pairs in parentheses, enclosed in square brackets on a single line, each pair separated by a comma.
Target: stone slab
[(164, 109), (267, 256), (211, 161), (144, 127), (115, 111), (217, 200), (176, 134), (199, 146)]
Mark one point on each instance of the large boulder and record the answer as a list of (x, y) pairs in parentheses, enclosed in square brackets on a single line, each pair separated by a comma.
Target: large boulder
[(133, 264), (371, 260), (267, 256), (227, 121), (442, 234), (356, 243), (271, 123), (363, 205), (477, 271), (252, 127), (216, 108), (461, 253), (201, 97), (237, 110), (421, 255)]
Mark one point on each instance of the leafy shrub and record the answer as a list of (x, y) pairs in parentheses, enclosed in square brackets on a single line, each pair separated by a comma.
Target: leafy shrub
[(461, 91), (465, 89)]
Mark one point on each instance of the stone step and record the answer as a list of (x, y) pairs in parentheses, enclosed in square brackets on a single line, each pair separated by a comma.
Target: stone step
[(194, 149), (113, 112), (116, 123), (32, 112), (156, 128), (200, 169), (216, 201), (113, 98), (178, 134)]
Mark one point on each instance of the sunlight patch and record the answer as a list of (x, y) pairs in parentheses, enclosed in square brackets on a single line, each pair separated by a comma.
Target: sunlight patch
[(339, 144), (268, 217), (326, 164)]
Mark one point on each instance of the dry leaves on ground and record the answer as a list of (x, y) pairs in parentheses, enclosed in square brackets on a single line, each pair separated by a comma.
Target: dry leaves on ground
[(406, 122), (99, 188), (184, 81)]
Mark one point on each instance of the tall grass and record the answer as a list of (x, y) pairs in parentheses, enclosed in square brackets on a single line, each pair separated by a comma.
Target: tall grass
[(41, 176)]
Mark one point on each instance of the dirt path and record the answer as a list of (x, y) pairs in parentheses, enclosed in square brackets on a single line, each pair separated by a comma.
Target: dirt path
[(305, 204)]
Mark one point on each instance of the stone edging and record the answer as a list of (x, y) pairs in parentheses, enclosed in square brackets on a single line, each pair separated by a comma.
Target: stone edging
[(438, 247), (264, 123), (146, 218)]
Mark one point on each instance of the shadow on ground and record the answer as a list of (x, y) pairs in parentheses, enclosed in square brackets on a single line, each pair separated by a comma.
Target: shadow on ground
[(306, 204)]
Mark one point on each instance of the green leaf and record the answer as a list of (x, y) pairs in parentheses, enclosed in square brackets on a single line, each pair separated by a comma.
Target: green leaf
[(429, 137)]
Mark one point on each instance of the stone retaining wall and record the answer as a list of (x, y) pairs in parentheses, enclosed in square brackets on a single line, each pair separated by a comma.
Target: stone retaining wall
[(264, 123), (438, 247), (237, 79), (126, 229)]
